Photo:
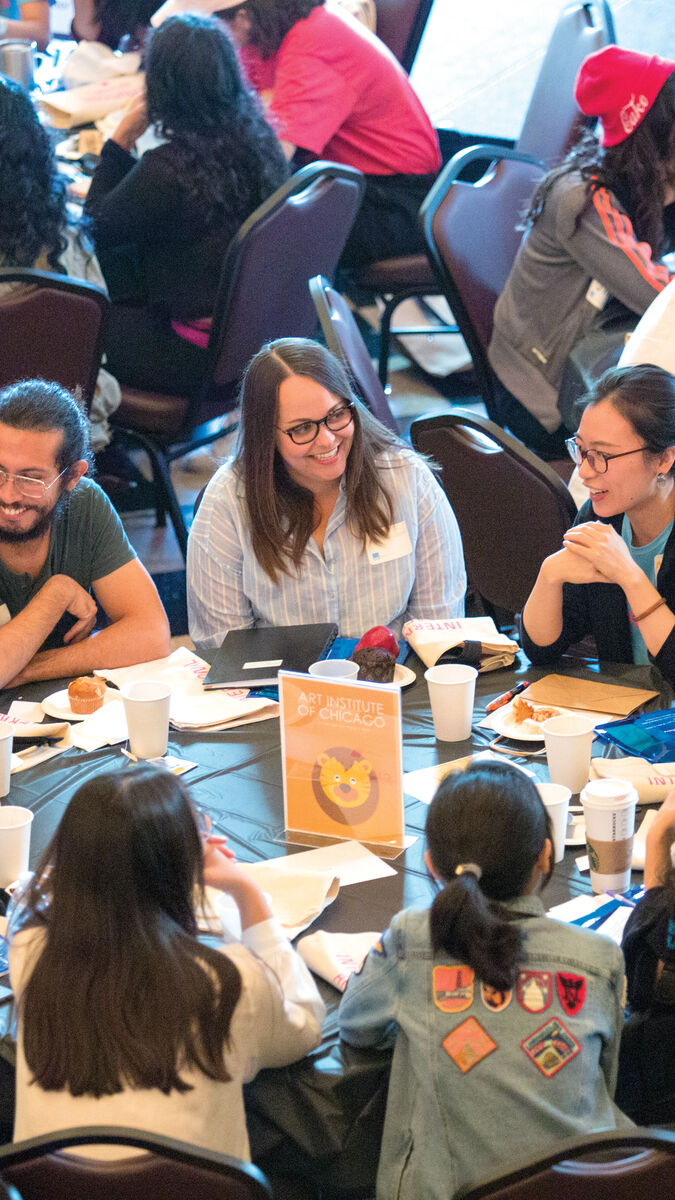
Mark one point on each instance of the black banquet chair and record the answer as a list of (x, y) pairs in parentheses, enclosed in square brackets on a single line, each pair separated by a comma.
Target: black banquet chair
[(343, 338), (512, 508), (298, 232), (51, 327), (164, 1169), (634, 1164)]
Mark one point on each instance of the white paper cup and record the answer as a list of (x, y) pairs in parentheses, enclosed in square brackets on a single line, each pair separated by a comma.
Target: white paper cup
[(556, 799), (609, 816), (146, 705), (334, 668), (568, 741), (451, 691), (6, 741), (15, 826)]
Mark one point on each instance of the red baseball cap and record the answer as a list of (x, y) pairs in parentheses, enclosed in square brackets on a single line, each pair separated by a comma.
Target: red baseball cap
[(619, 86)]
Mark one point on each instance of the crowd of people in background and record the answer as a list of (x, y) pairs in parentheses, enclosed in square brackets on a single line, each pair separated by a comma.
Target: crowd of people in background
[(239, 94)]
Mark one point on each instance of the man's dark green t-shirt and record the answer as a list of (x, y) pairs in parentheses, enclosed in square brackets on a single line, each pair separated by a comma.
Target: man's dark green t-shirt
[(87, 543)]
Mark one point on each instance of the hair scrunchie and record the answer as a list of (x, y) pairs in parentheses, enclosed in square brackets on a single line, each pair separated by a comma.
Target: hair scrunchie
[(468, 869)]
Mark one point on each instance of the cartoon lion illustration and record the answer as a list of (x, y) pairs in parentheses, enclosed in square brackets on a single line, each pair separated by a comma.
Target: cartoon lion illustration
[(345, 785)]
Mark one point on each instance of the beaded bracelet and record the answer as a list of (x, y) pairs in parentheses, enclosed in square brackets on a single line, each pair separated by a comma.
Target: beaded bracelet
[(648, 611)]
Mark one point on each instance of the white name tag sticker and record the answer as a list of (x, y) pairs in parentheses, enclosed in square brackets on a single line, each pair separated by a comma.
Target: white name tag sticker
[(597, 294), (397, 544), (5, 616), (263, 664)]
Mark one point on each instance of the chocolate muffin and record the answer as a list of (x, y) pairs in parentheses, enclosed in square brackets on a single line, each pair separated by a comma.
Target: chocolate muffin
[(376, 665)]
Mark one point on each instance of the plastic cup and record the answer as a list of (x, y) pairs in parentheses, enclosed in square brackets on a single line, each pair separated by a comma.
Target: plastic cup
[(15, 826), (334, 668), (556, 799), (6, 741), (568, 741), (451, 691), (609, 816), (146, 705)]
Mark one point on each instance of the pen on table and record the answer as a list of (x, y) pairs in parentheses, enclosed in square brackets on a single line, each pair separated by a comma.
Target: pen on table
[(506, 696)]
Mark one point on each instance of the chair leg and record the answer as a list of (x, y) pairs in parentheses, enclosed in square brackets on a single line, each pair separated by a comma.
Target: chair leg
[(166, 500), (385, 338)]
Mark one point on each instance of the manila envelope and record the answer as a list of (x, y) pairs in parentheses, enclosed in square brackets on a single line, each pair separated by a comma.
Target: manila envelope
[(566, 692)]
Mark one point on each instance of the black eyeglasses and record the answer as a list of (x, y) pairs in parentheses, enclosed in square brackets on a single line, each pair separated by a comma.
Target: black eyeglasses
[(597, 459), (32, 489), (307, 431)]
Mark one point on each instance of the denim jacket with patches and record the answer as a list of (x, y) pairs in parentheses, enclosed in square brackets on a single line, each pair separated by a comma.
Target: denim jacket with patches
[(475, 1086)]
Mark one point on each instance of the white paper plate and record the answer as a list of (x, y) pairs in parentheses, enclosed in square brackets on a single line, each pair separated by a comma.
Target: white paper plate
[(576, 830), (58, 705), (502, 723), (403, 676)]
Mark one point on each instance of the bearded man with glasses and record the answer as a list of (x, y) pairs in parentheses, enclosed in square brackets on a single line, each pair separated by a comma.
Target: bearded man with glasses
[(614, 576), (63, 551)]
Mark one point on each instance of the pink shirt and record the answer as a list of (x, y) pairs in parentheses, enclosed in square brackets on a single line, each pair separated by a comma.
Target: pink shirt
[(340, 93)]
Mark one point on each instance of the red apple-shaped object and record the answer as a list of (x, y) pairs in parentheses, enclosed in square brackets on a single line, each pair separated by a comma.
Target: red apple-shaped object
[(380, 636)]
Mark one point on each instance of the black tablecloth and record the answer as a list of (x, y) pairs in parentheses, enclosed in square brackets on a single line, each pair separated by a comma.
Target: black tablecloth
[(319, 1119)]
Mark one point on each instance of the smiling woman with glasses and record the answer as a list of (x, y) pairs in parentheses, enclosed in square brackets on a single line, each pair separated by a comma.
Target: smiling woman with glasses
[(614, 576), (323, 515)]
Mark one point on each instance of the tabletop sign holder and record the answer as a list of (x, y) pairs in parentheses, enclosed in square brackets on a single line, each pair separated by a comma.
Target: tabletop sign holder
[(341, 753)]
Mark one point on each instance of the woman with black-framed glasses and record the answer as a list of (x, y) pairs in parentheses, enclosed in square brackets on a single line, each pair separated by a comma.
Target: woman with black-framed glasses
[(614, 576), (323, 515)]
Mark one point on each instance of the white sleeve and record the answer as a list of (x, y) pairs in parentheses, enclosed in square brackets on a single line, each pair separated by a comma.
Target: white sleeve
[(440, 578), (279, 1015), (215, 562)]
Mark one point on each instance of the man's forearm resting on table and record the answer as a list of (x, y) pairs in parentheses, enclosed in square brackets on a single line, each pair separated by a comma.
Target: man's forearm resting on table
[(33, 23), (135, 637)]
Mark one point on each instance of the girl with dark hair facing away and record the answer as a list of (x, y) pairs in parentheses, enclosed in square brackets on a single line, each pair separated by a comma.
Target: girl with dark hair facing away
[(162, 223), (505, 1022), (615, 574), (125, 1016), (322, 515), (597, 229), (646, 1084), (35, 230)]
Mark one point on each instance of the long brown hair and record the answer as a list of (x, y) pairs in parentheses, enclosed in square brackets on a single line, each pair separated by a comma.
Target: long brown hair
[(123, 993), (637, 170), (282, 515)]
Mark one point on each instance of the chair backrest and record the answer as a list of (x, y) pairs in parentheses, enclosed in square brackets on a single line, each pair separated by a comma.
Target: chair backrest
[(170, 1169), (619, 1165), (472, 234), (553, 121), (512, 508), (342, 337), (51, 328), (400, 25), (298, 232)]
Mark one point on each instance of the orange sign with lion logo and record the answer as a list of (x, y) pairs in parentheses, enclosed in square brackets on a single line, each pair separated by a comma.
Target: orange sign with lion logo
[(341, 754)]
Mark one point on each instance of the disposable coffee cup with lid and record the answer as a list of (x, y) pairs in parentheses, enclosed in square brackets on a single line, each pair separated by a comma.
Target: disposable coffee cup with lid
[(609, 815)]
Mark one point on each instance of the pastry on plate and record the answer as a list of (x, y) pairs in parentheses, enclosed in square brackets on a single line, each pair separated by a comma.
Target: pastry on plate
[(86, 694), (376, 655)]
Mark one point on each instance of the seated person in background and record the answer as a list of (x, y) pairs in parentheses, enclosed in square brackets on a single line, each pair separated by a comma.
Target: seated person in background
[(646, 1084), (339, 94), (108, 21), (155, 1029), (518, 1049), (60, 538), (615, 575), (595, 232), (35, 230), (29, 19), (162, 223), (323, 515)]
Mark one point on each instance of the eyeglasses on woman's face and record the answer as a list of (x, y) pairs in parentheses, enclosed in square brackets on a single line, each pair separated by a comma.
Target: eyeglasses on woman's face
[(597, 460), (306, 431)]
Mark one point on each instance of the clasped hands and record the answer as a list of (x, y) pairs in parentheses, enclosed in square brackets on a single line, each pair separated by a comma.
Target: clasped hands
[(593, 553)]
